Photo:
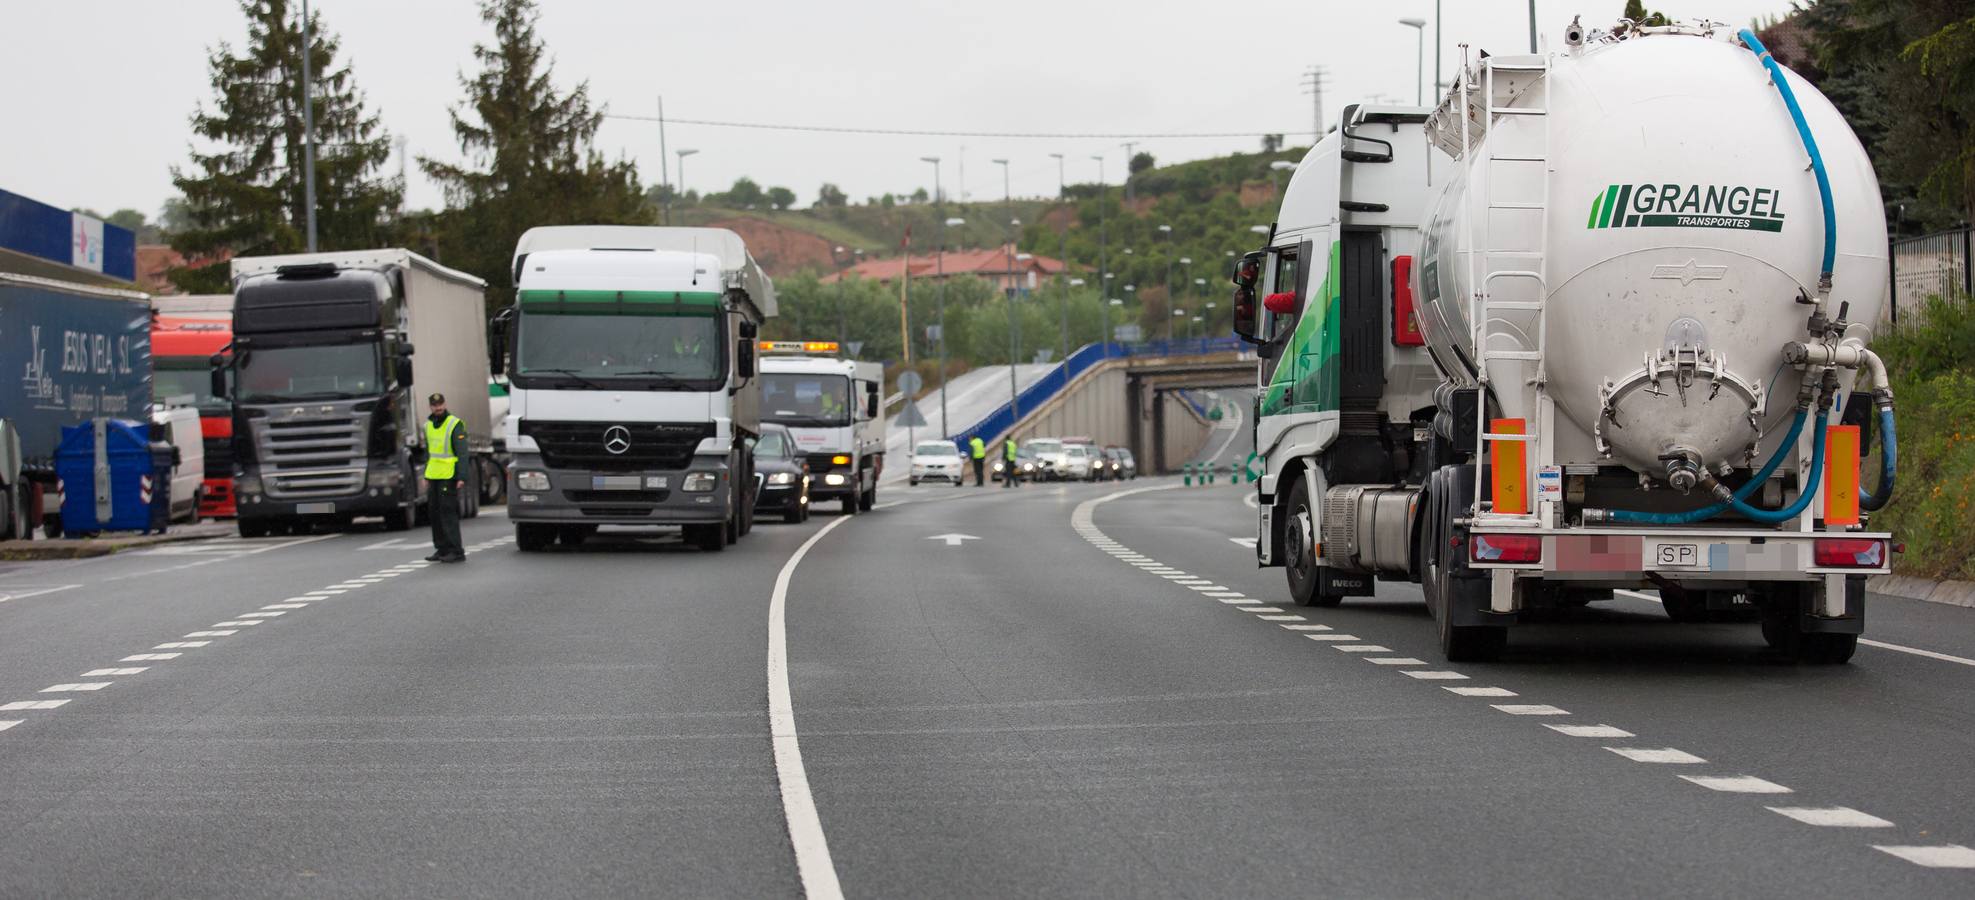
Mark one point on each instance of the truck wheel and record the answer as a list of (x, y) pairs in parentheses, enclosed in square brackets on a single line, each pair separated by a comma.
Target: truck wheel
[(1297, 535), (869, 498), (13, 519), (793, 513), (710, 538), (1444, 592), (252, 528), (573, 535), (1684, 605), (1824, 649), (51, 526), (397, 520), (533, 537), (732, 527)]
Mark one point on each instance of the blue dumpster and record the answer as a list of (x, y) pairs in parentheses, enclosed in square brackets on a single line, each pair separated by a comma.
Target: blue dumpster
[(134, 492)]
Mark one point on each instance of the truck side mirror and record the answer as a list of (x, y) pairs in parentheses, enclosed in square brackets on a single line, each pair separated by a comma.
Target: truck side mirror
[(744, 358), (749, 330), (497, 341), (219, 383), (871, 400), (1246, 321), (405, 376), (406, 349)]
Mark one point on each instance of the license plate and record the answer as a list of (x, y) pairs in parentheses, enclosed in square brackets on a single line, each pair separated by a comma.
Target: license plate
[(1672, 555), (315, 509), (614, 482)]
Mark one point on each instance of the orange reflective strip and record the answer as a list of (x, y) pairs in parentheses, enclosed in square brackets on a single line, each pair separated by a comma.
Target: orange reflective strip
[(1841, 453), (1506, 468)]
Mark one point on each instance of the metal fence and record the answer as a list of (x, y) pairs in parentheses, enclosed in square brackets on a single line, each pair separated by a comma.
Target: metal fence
[(1941, 263)]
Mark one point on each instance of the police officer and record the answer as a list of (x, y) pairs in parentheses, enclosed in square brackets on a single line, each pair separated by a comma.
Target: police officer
[(445, 442), (1012, 472), (979, 451)]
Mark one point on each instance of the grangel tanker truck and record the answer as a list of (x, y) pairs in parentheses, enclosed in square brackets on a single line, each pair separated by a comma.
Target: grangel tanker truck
[(1592, 323)]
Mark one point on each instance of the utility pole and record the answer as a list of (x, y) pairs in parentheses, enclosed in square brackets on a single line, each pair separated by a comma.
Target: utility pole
[(1103, 260), (1172, 303), (308, 132), (664, 171), (1008, 255), (1063, 253), (1129, 195), (402, 144), (1313, 84), (939, 273)]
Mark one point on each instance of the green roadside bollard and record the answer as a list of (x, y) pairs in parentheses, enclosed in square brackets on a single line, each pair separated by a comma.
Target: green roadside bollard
[(1211, 472), (1186, 474)]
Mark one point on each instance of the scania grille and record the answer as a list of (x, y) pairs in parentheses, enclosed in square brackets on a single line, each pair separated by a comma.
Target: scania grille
[(311, 457), (617, 446)]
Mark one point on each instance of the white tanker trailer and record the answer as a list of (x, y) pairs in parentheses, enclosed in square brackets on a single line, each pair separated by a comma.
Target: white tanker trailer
[(1646, 269)]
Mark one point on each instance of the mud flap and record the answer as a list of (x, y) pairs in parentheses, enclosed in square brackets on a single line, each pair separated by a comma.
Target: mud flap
[(1852, 622), (1467, 601)]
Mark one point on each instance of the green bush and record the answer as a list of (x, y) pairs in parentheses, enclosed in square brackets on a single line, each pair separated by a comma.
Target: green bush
[(1932, 367)]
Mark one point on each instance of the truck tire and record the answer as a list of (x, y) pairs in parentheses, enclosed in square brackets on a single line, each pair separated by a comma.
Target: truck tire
[(1305, 579), (397, 520), (869, 498), (51, 526), (1781, 629), (732, 527), (533, 537), (851, 500), (251, 528), (13, 514), (1444, 591), (469, 496), (709, 538)]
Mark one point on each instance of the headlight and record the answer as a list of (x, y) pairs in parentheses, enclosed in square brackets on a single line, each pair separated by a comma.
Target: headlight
[(385, 478), (782, 478), (698, 482), (998, 467), (532, 480), (833, 479)]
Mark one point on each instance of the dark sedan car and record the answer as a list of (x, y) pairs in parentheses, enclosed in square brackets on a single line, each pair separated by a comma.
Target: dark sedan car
[(781, 474)]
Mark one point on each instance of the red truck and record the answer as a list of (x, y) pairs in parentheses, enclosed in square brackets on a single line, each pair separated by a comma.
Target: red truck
[(182, 348)]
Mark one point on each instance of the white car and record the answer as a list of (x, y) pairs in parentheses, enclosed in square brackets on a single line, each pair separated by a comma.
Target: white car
[(1048, 456), (937, 461), (1079, 462)]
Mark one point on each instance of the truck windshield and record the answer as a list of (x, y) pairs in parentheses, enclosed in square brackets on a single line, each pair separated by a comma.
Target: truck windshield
[(173, 379), (816, 401), (331, 372), (582, 345)]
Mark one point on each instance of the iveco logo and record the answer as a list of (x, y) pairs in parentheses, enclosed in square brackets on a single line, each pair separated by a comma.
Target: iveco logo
[(617, 439)]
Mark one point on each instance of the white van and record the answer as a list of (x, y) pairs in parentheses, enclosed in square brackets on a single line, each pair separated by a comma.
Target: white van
[(179, 427)]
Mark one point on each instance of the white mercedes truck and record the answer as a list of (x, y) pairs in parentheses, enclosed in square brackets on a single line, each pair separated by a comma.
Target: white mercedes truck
[(831, 406), (630, 357), (1619, 351)]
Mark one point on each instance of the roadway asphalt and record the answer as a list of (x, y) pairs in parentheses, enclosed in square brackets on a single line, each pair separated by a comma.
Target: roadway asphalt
[(1052, 690)]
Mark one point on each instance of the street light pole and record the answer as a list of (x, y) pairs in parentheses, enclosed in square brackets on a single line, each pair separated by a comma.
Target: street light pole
[(939, 270), (1167, 230), (1063, 253), (1008, 256), (1103, 262), (1419, 59), (308, 133)]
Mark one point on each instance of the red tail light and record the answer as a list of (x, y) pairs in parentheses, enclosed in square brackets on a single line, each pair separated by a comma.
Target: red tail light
[(1506, 548), (1405, 319), (1848, 553)]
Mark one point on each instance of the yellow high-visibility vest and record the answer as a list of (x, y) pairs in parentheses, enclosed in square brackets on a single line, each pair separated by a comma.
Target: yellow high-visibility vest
[(441, 460), (979, 449), (1008, 450)]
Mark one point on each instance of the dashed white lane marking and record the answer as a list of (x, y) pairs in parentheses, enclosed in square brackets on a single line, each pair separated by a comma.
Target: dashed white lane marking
[(1483, 691), (1831, 817), (1307, 627), (8, 723), (101, 673), (1209, 588), (1236, 600), (302, 599), (1394, 661), (1916, 651), (1362, 648), (180, 645), (31, 704), (150, 657), (1590, 731), (1261, 609), (74, 686), (812, 850), (263, 614), (1433, 674), (1943, 856), (327, 592), (1285, 618), (236, 623), (286, 606), (1219, 594), (220, 633), (1737, 784), (1334, 637), (1664, 755), (1529, 709)]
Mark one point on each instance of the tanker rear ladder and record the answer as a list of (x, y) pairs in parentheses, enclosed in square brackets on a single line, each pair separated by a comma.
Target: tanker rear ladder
[(1482, 304)]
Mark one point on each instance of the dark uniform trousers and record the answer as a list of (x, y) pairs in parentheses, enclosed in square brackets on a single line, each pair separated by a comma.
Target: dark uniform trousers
[(442, 509)]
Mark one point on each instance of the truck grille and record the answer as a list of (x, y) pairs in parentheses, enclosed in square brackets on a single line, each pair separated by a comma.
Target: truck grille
[(645, 445), (219, 457), (321, 457)]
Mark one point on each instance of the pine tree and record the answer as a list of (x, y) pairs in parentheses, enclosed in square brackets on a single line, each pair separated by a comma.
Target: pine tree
[(530, 151), (247, 196)]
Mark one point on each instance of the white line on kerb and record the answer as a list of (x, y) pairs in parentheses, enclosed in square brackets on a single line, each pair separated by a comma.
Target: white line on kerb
[(812, 849)]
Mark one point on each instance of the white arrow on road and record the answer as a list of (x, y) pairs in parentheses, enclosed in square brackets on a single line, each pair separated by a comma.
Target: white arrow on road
[(953, 539)]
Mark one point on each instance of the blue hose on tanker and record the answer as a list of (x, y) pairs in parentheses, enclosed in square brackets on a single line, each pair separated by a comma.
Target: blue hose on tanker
[(1889, 449), (1810, 144), (1774, 516), (1742, 493)]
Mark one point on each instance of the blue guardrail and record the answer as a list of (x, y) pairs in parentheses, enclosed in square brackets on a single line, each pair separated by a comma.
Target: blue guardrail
[(1048, 386)]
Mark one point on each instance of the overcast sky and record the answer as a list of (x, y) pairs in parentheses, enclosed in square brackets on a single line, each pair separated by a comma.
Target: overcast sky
[(98, 94)]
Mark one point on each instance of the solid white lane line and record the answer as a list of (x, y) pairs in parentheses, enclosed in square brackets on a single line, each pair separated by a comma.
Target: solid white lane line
[(1334, 637), (220, 633), (1737, 784), (1433, 674), (1943, 856), (812, 850), (74, 686), (9, 723), (1918, 652), (180, 645), (1288, 618), (1831, 817), (100, 673), (1482, 691), (31, 704), (1362, 648), (150, 657), (1665, 755), (1393, 661), (1529, 709), (1590, 731), (1307, 627)]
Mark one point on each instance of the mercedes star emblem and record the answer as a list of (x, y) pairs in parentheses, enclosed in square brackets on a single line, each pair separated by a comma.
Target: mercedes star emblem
[(617, 439)]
